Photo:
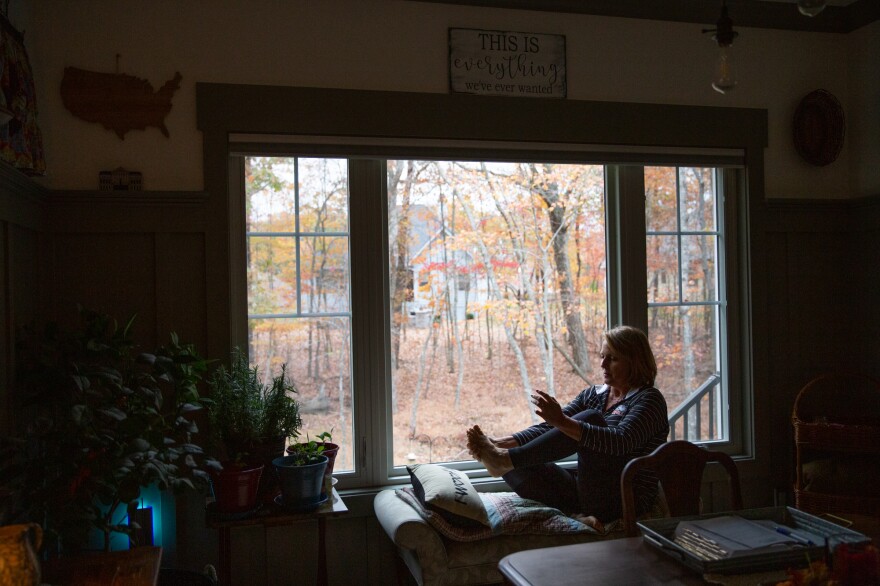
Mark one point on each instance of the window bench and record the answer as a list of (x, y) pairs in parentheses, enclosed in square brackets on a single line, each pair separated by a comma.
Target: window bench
[(434, 560)]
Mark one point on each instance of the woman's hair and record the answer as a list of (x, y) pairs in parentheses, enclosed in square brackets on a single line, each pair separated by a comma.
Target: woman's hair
[(632, 344)]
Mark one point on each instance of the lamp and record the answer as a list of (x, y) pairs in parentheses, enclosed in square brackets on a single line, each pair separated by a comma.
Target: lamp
[(724, 79), (143, 535), (811, 7)]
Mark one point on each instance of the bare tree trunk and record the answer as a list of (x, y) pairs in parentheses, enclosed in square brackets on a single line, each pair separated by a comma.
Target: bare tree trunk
[(401, 284), (556, 213), (544, 331), (488, 336), (447, 298), (414, 410)]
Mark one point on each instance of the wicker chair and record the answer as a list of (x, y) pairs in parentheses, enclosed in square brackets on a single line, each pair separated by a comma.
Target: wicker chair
[(836, 420)]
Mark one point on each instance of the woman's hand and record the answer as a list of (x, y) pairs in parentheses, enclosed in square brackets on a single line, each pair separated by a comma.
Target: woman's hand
[(551, 411), (548, 408)]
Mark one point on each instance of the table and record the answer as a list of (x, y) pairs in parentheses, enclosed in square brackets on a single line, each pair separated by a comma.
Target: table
[(275, 516), (138, 566), (623, 562)]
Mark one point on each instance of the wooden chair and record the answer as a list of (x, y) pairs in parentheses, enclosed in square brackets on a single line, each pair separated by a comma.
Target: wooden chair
[(679, 465)]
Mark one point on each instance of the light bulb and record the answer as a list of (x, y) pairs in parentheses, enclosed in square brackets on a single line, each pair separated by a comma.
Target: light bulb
[(811, 7), (724, 80)]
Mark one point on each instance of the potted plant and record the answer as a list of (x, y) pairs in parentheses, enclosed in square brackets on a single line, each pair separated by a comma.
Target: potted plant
[(301, 476), (252, 420), (328, 448), (99, 422)]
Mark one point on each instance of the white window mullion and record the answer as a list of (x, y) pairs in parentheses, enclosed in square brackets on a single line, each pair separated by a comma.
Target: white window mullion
[(370, 315), (298, 240), (625, 235)]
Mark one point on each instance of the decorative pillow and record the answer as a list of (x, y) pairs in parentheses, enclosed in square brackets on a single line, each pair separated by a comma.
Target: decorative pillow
[(449, 493)]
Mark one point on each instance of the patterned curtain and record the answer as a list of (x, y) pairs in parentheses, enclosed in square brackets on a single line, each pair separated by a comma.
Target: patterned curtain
[(21, 144)]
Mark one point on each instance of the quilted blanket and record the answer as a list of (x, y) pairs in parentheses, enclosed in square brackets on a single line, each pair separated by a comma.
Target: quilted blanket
[(509, 514)]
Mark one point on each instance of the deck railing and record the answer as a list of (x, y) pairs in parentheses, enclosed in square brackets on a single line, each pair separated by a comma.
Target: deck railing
[(690, 412)]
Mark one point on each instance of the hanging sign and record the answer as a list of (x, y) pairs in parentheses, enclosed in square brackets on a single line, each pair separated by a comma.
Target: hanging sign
[(501, 63)]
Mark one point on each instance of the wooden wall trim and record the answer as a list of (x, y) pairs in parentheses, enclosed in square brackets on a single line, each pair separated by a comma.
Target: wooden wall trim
[(114, 212), (822, 215), (750, 13), (127, 198), (308, 111), (865, 213)]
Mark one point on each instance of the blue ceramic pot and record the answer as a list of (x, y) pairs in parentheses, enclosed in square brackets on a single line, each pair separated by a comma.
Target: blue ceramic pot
[(301, 485)]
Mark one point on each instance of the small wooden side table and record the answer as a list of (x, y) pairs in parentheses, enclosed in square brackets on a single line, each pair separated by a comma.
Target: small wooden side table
[(275, 516)]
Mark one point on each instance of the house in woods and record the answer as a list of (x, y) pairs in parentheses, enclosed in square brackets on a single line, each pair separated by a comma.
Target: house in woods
[(442, 275)]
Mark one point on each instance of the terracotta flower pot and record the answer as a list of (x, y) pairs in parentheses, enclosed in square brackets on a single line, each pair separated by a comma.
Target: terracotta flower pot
[(264, 451), (236, 486), (330, 450)]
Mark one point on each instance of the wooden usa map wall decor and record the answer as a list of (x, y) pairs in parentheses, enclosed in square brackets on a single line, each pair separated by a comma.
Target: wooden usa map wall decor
[(118, 101)]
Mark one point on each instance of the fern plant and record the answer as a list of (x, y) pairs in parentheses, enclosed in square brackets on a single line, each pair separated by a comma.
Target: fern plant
[(246, 411)]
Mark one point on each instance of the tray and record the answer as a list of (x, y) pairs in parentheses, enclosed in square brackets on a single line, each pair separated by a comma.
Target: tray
[(660, 532)]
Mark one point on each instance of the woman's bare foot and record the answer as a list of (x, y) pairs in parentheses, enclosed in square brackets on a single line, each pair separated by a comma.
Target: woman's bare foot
[(481, 447), (591, 521)]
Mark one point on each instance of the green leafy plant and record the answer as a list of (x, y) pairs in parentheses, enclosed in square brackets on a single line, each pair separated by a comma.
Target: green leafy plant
[(246, 411), (99, 421), (308, 452)]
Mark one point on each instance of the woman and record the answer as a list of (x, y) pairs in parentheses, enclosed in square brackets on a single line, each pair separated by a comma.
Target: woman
[(606, 426)]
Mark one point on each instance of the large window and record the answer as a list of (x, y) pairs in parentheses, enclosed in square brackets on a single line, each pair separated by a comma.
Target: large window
[(496, 279), (497, 287)]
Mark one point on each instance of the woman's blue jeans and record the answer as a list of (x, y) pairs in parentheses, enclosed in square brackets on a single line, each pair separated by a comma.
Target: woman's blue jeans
[(593, 489)]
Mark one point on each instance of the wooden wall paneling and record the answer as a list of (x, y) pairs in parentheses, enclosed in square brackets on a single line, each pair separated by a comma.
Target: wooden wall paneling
[(114, 273), (381, 554), (249, 565), (757, 492), (810, 310), (817, 303), (138, 242), (346, 565), (864, 266), (25, 291), (21, 200), (779, 367), (6, 334), (291, 554), (180, 288), (21, 223), (22, 300)]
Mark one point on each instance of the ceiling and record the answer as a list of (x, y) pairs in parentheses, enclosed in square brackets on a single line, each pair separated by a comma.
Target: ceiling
[(840, 16)]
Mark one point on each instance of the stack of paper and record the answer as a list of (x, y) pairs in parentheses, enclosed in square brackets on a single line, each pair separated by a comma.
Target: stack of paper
[(730, 536)]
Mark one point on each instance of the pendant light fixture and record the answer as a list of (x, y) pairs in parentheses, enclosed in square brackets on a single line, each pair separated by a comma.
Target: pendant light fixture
[(811, 7), (724, 79)]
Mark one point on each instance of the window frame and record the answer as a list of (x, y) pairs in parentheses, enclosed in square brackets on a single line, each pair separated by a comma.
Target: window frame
[(306, 120)]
